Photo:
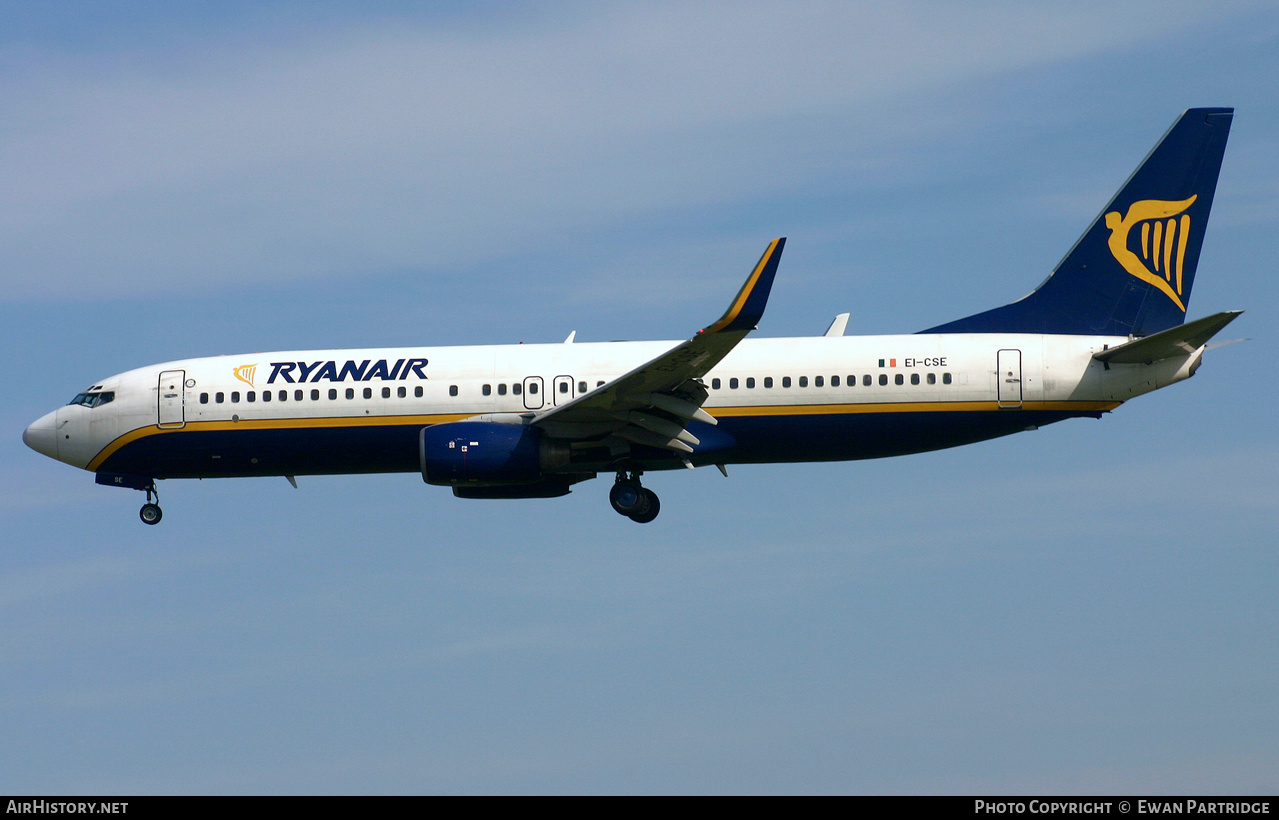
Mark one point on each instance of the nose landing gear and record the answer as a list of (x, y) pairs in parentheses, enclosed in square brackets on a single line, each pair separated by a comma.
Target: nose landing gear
[(150, 512), (632, 500)]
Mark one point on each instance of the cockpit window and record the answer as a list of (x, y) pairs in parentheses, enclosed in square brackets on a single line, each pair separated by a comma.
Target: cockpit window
[(94, 399)]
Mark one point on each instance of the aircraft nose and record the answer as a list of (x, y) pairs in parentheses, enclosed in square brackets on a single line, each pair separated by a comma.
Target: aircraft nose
[(40, 435)]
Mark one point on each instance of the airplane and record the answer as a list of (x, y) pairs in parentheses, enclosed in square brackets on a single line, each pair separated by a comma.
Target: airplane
[(532, 420)]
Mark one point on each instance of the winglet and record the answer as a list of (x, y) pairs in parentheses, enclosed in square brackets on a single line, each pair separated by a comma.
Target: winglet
[(748, 308)]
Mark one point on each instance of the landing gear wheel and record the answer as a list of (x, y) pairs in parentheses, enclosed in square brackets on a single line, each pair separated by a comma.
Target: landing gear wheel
[(628, 498), (150, 513), (653, 507), (632, 500)]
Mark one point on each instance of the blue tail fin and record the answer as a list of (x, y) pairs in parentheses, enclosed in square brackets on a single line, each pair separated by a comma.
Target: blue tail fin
[(1132, 270)]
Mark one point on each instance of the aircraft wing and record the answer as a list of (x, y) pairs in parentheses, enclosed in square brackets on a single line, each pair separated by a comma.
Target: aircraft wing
[(653, 404)]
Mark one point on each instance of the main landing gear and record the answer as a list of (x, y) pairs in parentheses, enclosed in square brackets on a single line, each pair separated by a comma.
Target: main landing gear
[(151, 512), (632, 500)]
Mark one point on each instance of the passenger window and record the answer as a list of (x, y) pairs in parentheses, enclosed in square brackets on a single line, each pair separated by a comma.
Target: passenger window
[(204, 398), (235, 396), (501, 389), (866, 380), (932, 378), (785, 381), (750, 382), (581, 387), (945, 378), (266, 395), (714, 384), (297, 395), (452, 389), (834, 381), (883, 379), (219, 398), (350, 393), (252, 396), (817, 381), (333, 394), (564, 387), (768, 381), (914, 378), (803, 381), (417, 392), (732, 384), (401, 392), (516, 389), (315, 395), (532, 388), (386, 392), (599, 384), (368, 392)]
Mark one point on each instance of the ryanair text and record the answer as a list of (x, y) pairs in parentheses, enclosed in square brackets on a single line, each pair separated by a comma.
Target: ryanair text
[(332, 371)]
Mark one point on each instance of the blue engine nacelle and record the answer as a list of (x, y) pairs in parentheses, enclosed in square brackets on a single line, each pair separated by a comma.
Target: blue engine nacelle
[(487, 454)]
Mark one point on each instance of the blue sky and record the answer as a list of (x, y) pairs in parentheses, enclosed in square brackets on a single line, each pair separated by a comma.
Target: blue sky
[(1085, 608)]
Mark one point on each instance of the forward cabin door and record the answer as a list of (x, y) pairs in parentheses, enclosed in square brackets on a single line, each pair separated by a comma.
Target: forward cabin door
[(1009, 378), (533, 398), (170, 412), (563, 390)]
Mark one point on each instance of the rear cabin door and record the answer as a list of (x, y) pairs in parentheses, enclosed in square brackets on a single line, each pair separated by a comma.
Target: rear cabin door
[(1009, 378), (169, 405)]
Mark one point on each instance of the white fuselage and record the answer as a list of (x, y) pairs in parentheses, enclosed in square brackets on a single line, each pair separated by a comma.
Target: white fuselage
[(953, 387)]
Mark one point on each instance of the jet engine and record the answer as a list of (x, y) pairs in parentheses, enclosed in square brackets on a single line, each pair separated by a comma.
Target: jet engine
[(488, 454)]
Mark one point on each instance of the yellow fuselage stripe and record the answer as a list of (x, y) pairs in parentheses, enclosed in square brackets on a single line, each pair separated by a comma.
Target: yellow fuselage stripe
[(908, 407)]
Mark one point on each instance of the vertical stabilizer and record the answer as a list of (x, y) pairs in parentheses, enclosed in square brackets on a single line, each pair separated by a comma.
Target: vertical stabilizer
[(1132, 271)]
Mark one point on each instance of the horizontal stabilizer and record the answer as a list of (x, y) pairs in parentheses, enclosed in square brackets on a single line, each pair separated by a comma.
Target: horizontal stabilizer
[(1181, 340)]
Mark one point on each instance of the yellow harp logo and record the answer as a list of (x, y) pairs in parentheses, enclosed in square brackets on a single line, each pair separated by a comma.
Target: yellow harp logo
[(1163, 242), (245, 373)]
